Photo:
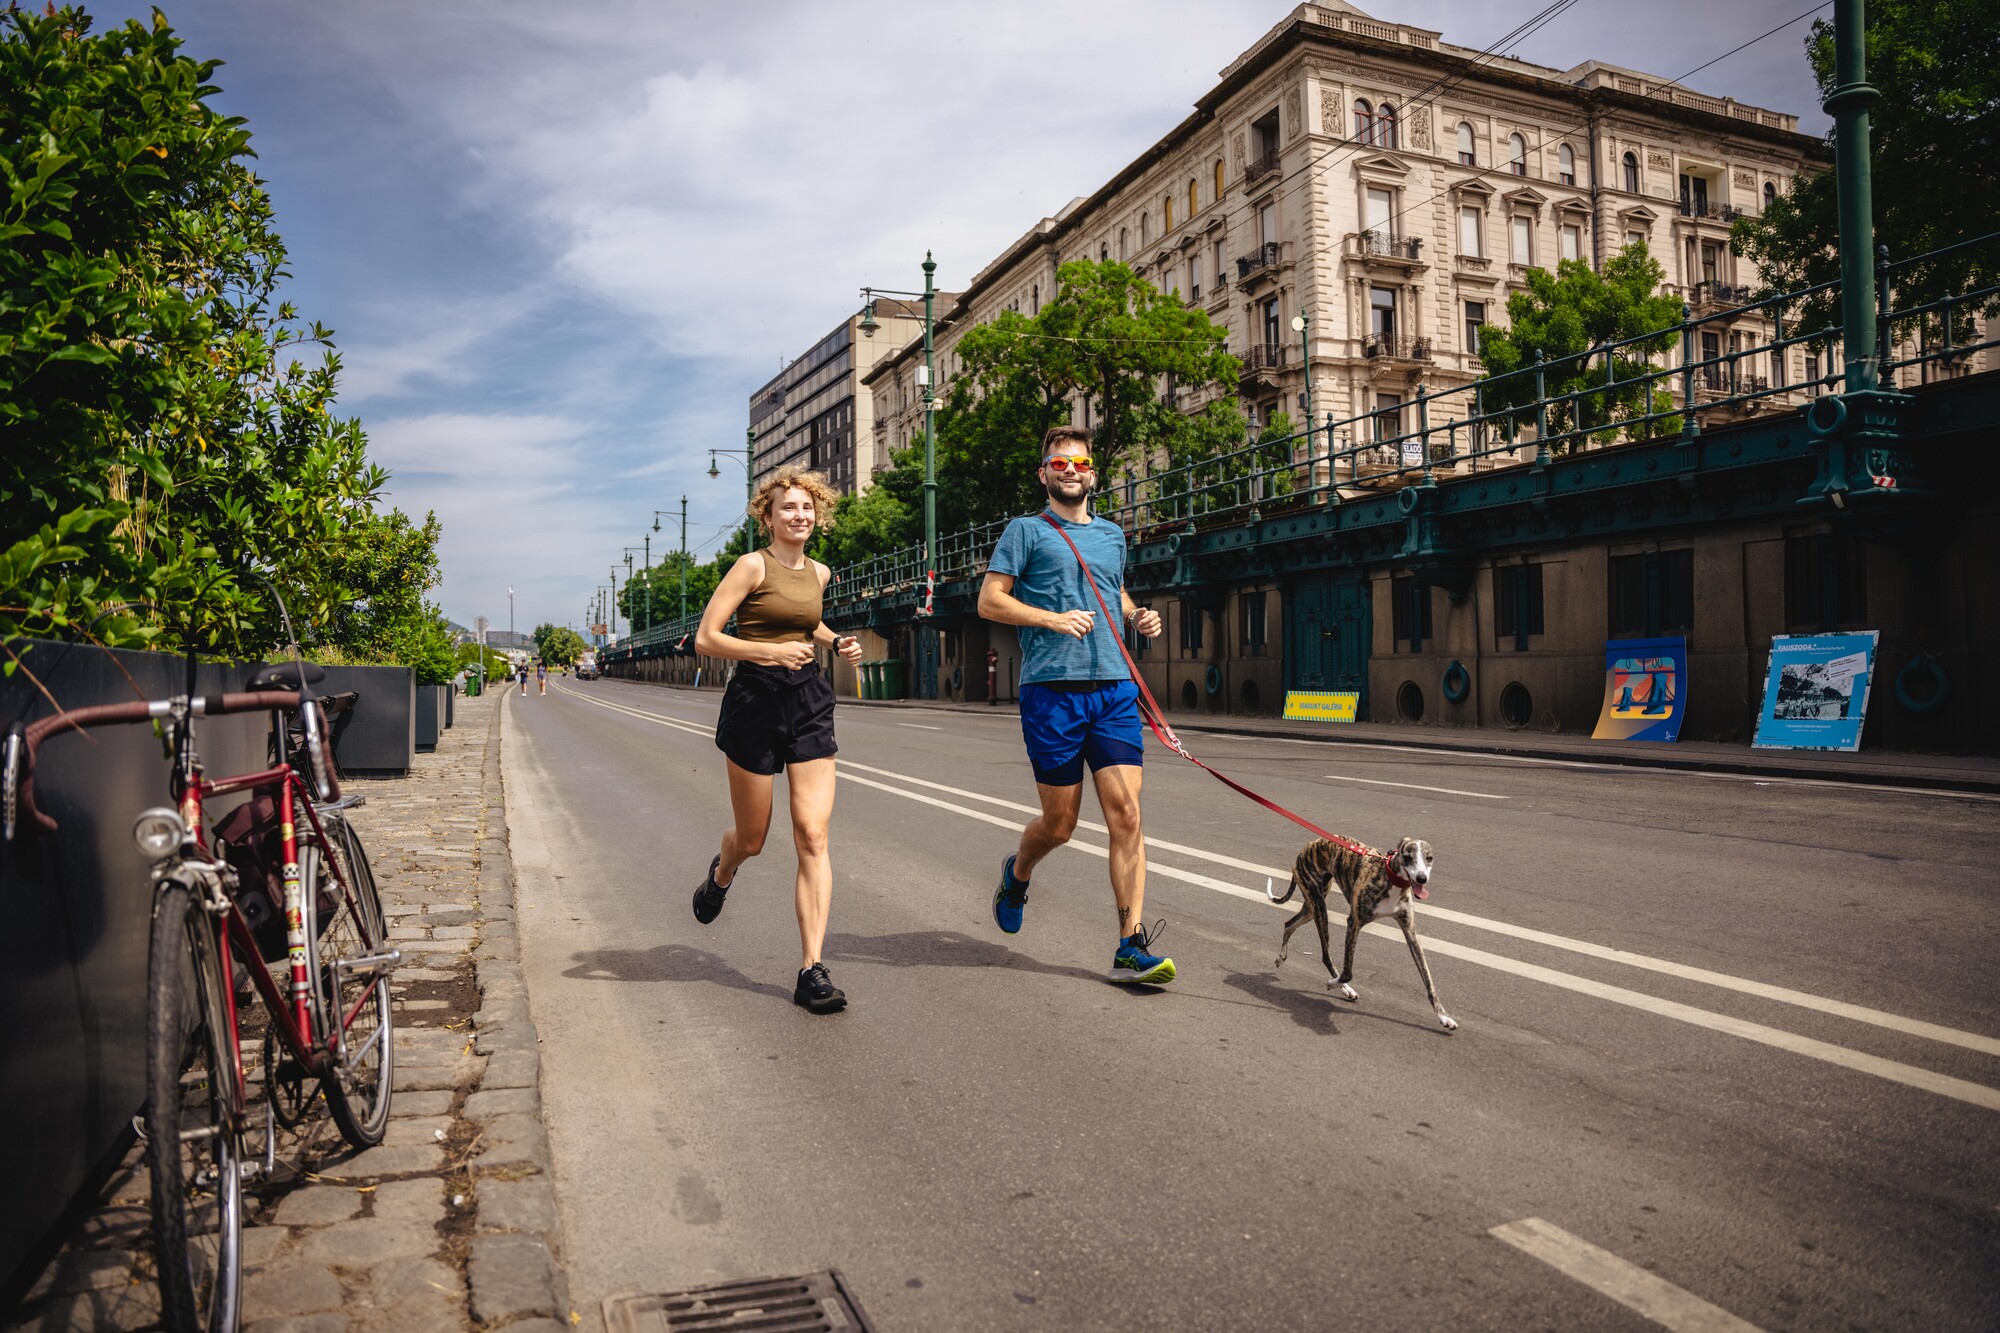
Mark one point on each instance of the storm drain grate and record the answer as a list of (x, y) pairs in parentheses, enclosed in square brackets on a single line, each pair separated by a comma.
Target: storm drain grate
[(815, 1303)]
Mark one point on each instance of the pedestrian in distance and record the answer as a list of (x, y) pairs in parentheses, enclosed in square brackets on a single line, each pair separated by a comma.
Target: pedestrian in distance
[(1079, 704), (777, 711), (522, 672), (541, 676)]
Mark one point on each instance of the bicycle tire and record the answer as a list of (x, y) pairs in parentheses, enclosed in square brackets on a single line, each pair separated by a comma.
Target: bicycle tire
[(357, 1094), (197, 1182)]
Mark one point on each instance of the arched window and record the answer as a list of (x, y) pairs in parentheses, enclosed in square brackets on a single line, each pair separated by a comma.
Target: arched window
[(1468, 150), (1566, 165), (1385, 127), (1770, 195), (1035, 299), (1103, 251), (1145, 229), (1168, 213), (1517, 155), (1631, 165), (1124, 251), (1218, 178), (1364, 122), (1194, 201)]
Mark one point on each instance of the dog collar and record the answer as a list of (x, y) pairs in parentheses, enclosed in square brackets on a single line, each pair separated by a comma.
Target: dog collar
[(1397, 880)]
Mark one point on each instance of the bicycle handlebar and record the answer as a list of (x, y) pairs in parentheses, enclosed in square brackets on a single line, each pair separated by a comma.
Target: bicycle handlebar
[(20, 756)]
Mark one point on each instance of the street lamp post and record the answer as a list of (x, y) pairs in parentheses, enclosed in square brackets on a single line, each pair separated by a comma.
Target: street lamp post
[(614, 599), (748, 453), (510, 617), (927, 381), (1303, 323), (657, 513), (649, 582)]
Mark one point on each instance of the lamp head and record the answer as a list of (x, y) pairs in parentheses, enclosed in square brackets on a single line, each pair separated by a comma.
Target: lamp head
[(712, 470), (1298, 323), (868, 323)]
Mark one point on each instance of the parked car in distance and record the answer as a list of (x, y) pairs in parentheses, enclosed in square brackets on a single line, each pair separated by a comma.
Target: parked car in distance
[(586, 667)]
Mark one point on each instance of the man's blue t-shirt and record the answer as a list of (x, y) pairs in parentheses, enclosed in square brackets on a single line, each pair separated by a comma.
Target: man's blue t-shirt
[(1046, 576)]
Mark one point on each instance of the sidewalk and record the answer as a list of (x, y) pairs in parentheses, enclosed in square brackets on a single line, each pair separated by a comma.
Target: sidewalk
[(1968, 773), (451, 1221)]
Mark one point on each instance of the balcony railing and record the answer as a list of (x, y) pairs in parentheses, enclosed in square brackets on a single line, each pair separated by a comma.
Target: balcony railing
[(1709, 209), (1264, 166), (1381, 245), (1263, 257), (1264, 356), (1404, 348), (1720, 294)]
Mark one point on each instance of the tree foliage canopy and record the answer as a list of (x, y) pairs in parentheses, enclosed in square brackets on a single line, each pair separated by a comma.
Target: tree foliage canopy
[(1576, 310), (1935, 153), (158, 417), (559, 645)]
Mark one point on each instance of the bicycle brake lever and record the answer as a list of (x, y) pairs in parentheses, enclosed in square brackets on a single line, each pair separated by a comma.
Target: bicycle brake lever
[(10, 783)]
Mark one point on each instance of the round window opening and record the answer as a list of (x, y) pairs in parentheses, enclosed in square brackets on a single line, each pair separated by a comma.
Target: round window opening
[(1251, 698), (1517, 706), (1410, 702), (1188, 697)]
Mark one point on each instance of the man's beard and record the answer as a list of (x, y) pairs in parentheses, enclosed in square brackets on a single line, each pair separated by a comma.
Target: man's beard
[(1053, 494)]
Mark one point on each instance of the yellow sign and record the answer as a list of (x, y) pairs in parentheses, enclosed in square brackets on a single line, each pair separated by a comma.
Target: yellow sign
[(1321, 706)]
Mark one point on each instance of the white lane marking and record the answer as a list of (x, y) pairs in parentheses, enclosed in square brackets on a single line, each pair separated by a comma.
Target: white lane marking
[(1895, 1071), (1417, 786), (919, 726), (1630, 1285), (1784, 995), (1473, 756)]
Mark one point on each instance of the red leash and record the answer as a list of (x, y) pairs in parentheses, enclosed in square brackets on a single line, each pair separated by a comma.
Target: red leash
[(1149, 709)]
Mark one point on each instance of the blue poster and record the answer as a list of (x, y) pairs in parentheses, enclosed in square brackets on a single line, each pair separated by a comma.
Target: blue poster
[(1816, 694), (1645, 690)]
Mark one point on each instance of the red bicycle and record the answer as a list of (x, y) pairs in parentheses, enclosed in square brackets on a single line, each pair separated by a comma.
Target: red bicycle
[(214, 923)]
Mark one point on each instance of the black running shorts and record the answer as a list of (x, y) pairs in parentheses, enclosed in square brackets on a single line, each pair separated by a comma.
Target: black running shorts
[(772, 716)]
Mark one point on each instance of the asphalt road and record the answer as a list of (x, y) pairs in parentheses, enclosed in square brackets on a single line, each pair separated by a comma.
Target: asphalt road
[(1726, 1045)]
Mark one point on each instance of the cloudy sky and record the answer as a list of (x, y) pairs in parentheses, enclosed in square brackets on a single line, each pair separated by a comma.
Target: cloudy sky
[(562, 243)]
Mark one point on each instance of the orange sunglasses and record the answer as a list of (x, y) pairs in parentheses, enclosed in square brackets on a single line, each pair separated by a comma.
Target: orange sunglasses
[(1065, 463)]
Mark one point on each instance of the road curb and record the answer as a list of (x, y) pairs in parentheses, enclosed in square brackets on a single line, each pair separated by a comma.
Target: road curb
[(1773, 766), (515, 1277)]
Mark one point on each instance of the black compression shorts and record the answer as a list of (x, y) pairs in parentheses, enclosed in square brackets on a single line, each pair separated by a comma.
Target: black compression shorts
[(772, 716)]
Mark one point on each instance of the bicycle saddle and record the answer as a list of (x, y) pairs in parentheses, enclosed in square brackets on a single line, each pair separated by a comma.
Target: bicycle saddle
[(285, 676)]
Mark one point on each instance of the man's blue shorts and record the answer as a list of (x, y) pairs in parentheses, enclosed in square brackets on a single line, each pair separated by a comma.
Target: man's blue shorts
[(1065, 728)]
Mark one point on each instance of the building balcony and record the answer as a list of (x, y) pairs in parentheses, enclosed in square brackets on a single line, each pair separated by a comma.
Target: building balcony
[(1267, 165), (1719, 296), (1258, 264), (1263, 362), (1404, 250), (1709, 210), (1387, 347)]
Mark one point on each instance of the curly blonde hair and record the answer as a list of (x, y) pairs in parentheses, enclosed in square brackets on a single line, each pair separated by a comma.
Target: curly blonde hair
[(824, 497)]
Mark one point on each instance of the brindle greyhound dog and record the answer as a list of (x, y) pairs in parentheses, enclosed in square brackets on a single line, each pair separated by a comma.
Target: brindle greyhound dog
[(1375, 884)]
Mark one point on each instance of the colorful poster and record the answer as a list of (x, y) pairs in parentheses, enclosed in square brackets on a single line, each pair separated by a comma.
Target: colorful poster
[(1321, 706), (1816, 693), (1645, 690)]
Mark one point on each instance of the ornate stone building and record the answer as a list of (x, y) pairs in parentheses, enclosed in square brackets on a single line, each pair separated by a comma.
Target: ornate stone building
[(1394, 189)]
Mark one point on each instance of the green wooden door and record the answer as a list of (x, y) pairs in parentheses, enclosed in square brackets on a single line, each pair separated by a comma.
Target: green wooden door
[(1328, 626)]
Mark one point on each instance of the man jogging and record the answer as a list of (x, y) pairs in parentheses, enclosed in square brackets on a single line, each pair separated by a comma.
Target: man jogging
[(1079, 705)]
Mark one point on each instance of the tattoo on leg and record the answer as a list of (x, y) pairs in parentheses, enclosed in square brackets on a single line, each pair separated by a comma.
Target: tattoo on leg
[(1124, 917)]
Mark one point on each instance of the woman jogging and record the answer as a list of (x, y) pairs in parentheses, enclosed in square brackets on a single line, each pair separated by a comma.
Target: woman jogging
[(777, 713)]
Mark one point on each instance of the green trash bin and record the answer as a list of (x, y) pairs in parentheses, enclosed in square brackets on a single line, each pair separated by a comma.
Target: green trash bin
[(893, 683), (472, 685), (871, 680)]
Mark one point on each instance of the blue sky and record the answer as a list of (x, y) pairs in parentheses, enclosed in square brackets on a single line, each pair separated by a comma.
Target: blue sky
[(561, 244)]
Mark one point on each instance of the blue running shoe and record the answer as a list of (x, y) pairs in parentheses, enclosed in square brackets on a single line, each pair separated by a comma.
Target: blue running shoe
[(1135, 964), (1009, 899)]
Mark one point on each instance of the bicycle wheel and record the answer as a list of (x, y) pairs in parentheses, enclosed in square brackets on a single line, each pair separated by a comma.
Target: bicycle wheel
[(194, 1141), (358, 1090)]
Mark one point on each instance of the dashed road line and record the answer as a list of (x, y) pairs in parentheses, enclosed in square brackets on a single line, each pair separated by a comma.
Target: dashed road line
[(1630, 1285), (1417, 786)]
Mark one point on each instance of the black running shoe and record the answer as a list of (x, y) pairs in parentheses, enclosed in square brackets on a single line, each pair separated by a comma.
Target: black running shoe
[(708, 898), (817, 992)]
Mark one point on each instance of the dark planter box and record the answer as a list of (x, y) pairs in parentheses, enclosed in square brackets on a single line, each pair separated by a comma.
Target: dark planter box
[(73, 954), (450, 701), (430, 716), (378, 736)]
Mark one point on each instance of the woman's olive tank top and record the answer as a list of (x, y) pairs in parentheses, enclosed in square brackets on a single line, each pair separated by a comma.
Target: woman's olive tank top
[(784, 608)]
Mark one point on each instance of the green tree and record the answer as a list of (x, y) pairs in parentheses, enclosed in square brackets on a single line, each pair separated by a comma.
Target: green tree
[(1568, 313), (158, 419), (1935, 141), (1108, 337), (559, 645)]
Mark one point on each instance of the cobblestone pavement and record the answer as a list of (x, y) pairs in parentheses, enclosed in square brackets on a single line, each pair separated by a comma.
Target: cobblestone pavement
[(450, 1222)]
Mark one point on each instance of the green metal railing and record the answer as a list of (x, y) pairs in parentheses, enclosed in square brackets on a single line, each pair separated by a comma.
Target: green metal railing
[(1675, 384)]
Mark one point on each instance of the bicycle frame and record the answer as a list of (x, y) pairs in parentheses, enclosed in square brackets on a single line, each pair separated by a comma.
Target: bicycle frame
[(290, 1014)]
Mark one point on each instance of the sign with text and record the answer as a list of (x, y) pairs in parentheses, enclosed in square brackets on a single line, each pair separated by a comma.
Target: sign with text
[(1816, 693), (1645, 690), (1321, 705)]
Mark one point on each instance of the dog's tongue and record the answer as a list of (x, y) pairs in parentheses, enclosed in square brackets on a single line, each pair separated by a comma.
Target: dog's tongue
[(1421, 892)]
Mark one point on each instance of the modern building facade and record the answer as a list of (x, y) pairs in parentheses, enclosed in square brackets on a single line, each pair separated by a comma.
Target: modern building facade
[(814, 414)]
